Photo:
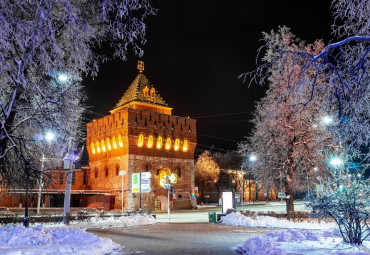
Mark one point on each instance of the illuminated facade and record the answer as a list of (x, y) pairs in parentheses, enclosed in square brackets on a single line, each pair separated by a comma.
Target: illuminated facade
[(142, 135)]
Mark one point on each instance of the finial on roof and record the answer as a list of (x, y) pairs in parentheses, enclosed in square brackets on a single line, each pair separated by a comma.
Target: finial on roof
[(140, 66)]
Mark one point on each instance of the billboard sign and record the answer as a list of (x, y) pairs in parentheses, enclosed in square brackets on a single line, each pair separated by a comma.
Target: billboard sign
[(135, 183), (227, 201), (145, 182)]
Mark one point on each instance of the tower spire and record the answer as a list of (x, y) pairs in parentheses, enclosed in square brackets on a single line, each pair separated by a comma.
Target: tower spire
[(140, 66)]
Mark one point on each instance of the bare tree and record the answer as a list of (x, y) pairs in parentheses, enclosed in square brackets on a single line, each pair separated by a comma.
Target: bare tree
[(286, 137), (343, 66), (41, 41), (206, 172)]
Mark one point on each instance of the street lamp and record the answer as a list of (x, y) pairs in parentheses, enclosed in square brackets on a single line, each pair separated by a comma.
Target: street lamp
[(48, 137), (326, 120), (62, 77), (336, 162), (252, 158)]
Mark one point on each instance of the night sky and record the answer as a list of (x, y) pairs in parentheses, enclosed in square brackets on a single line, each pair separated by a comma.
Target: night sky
[(195, 52)]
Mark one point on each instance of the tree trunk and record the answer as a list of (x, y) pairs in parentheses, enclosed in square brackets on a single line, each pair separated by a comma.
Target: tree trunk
[(203, 189), (289, 192), (289, 180)]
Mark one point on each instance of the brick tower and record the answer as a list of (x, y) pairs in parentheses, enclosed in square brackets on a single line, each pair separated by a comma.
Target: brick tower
[(141, 135)]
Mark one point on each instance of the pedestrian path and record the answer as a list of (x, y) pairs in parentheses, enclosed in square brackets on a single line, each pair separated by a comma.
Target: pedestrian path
[(181, 238)]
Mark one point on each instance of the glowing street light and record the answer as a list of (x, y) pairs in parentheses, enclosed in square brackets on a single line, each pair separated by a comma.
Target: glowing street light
[(336, 162), (326, 120), (252, 158), (49, 136), (62, 77)]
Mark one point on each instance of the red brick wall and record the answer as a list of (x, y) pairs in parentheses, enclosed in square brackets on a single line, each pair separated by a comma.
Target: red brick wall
[(129, 123)]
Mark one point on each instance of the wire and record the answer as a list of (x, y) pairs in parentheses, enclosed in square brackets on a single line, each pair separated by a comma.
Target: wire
[(220, 122), (217, 115), (86, 110), (211, 147), (220, 138)]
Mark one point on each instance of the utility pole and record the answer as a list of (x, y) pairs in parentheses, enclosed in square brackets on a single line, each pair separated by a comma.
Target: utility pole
[(122, 173), (242, 196), (140, 191), (26, 220), (40, 183), (67, 195), (168, 196)]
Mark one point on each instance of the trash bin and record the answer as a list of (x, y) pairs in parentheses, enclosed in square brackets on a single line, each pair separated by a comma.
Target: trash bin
[(212, 217)]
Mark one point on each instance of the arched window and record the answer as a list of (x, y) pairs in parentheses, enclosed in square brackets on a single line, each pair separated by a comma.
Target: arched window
[(120, 142), (168, 143), (106, 171), (163, 173), (159, 142), (98, 147), (146, 168), (61, 176), (152, 92), (185, 146), (114, 142), (117, 169), (178, 172), (73, 178), (84, 182), (93, 148), (177, 144), (103, 146), (108, 144), (146, 91), (150, 141), (140, 140), (96, 172)]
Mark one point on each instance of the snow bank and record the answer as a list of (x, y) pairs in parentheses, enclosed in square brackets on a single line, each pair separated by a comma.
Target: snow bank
[(238, 219), (301, 241), (17, 240), (110, 222), (57, 239)]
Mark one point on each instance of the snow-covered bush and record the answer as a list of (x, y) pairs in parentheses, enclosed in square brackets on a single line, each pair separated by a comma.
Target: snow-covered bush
[(347, 201)]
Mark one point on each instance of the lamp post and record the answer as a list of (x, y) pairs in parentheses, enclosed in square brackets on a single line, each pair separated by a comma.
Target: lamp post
[(336, 162), (26, 220), (252, 158), (49, 136)]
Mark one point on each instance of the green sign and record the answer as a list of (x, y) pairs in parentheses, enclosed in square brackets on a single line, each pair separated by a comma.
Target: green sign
[(135, 183)]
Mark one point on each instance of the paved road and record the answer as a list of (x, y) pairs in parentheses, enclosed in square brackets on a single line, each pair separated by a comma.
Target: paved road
[(180, 238), (188, 232)]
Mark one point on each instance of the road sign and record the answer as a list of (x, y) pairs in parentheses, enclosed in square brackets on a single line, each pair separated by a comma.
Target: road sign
[(135, 183), (319, 187), (173, 178), (281, 195), (145, 183), (122, 172), (146, 175)]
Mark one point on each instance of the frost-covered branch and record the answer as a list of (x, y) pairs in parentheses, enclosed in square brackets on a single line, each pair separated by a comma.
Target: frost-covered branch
[(39, 40)]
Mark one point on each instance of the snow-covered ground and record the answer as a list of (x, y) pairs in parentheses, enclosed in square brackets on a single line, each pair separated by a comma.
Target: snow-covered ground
[(301, 241), (238, 219), (57, 239), (300, 238)]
